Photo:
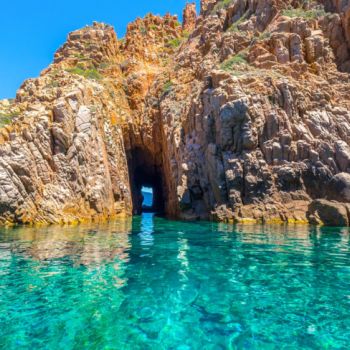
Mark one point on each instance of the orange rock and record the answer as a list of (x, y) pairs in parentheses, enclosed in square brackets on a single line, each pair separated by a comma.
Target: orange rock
[(245, 120), (189, 17)]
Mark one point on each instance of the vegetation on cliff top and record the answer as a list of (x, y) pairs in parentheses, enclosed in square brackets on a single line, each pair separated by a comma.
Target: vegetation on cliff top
[(307, 14), (222, 4), (89, 73)]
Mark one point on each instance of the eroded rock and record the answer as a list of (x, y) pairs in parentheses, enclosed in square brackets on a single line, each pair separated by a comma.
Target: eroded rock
[(242, 114)]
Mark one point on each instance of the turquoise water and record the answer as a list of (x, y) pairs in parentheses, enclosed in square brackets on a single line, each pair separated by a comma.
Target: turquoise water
[(156, 284)]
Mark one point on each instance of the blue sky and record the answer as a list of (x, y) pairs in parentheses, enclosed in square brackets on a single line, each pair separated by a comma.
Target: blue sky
[(31, 31)]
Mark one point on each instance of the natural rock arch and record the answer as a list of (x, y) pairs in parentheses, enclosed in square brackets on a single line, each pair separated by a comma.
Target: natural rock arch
[(144, 170)]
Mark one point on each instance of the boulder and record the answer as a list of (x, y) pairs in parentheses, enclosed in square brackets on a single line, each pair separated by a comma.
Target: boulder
[(342, 155), (339, 188), (329, 213)]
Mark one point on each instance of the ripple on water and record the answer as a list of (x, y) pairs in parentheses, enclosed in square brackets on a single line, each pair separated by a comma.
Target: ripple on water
[(149, 283)]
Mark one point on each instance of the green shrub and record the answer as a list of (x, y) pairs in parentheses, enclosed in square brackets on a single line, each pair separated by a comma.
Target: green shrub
[(176, 42), (93, 74), (168, 86), (186, 34), (143, 30), (300, 12), (238, 59), (89, 73), (79, 56), (6, 118), (222, 5)]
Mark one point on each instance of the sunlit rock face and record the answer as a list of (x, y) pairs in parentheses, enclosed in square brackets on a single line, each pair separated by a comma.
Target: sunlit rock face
[(189, 17), (241, 114)]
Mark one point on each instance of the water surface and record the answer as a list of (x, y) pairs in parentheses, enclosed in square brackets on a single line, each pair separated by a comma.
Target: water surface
[(149, 283)]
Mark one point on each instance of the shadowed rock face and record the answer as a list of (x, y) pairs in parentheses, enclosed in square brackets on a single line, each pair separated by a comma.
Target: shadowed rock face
[(242, 115)]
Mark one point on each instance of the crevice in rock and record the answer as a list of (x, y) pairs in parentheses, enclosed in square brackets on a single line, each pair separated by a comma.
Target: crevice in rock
[(144, 170)]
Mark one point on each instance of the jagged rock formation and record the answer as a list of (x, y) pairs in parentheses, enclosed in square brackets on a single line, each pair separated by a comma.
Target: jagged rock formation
[(189, 17), (242, 114)]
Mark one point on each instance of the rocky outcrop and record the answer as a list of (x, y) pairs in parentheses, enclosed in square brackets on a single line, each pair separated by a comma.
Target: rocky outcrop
[(63, 158), (337, 29), (329, 213), (189, 17), (242, 114)]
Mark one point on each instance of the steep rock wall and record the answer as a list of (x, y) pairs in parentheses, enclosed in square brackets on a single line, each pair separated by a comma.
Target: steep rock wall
[(258, 116), (63, 157), (240, 115)]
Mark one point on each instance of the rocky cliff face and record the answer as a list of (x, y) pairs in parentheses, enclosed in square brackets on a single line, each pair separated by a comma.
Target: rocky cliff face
[(242, 114)]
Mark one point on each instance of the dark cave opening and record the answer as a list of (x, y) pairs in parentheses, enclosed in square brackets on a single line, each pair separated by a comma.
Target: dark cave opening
[(145, 171)]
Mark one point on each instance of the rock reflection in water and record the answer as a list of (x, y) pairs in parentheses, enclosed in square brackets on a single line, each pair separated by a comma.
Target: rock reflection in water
[(152, 283), (84, 245)]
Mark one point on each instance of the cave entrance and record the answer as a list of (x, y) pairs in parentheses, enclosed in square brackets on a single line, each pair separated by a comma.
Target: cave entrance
[(145, 170)]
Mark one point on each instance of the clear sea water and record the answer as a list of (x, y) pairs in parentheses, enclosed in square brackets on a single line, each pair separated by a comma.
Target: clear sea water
[(150, 283)]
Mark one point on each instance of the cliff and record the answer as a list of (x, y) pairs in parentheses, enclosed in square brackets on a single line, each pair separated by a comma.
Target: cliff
[(240, 114)]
